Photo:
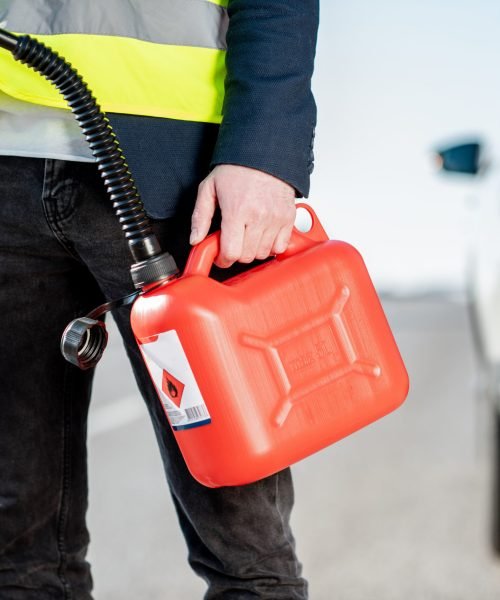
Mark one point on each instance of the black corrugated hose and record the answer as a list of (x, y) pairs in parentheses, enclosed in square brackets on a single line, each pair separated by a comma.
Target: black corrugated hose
[(84, 339), (105, 148)]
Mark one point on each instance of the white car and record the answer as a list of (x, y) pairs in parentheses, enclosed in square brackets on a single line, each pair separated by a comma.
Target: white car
[(483, 288)]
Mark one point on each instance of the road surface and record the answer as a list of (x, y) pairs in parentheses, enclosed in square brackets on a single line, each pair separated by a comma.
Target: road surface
[(397, 511)]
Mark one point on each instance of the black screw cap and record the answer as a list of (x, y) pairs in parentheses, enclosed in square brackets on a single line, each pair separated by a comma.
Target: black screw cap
[(83, 342)]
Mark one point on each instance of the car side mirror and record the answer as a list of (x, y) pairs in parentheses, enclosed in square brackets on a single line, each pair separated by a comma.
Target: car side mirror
[(461, 158)]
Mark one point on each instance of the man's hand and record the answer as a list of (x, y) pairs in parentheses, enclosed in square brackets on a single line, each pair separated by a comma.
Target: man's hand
[(258, 213)]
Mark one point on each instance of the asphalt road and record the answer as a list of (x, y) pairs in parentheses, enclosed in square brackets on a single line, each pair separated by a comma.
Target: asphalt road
[(397, 511)]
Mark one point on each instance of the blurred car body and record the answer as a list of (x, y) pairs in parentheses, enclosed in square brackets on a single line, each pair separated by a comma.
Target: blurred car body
[(483, 289)]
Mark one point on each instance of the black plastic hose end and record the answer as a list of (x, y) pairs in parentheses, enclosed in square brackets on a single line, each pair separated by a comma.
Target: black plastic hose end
[(153, 270), (83, 342), (8, 40)]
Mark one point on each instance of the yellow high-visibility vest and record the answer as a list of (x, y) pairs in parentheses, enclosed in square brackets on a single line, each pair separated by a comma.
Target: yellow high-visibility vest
[(160, 58)]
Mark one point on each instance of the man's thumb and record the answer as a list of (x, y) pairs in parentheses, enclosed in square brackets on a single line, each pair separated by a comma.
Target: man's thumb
[(203, 212)]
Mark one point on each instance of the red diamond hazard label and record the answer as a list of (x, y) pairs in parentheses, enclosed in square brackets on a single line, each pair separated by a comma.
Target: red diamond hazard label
[(172, 387), (179, 394)]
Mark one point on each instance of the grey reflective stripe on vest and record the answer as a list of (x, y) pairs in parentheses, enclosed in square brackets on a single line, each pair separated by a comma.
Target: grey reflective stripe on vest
[(178, 22)]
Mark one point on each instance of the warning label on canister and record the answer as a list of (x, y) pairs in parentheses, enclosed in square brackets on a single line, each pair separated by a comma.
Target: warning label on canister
[(175, 382)]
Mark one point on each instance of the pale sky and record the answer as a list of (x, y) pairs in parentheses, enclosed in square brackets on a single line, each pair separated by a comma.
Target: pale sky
[(393, 78)]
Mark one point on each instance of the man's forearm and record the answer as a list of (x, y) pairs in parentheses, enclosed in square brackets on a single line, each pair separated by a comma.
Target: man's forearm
[(263, 155)]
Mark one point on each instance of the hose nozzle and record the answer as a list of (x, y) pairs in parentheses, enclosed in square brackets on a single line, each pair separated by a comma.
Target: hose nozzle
[(8, 40)]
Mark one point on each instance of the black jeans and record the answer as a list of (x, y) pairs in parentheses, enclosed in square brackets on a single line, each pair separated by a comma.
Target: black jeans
[(61, 254)]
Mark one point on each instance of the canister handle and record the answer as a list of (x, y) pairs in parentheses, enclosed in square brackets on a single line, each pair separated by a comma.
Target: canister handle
[(301, 240), (203, 255)]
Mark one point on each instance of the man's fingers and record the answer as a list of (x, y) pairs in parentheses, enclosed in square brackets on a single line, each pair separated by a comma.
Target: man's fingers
[(282, 239), (231, 243), (203, 211), (246, 243), (251, 243), (267, 242)]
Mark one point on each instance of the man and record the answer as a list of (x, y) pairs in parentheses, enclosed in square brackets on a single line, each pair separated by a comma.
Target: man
[(62, 253)]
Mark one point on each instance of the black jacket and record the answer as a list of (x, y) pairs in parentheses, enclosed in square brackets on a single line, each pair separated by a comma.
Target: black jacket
[(269, 112)]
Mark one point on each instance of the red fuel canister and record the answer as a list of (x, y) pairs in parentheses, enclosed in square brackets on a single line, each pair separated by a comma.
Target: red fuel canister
[(272, 365)]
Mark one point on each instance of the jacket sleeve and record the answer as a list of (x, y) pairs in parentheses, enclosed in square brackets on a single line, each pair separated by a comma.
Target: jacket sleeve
[(269, 113)]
